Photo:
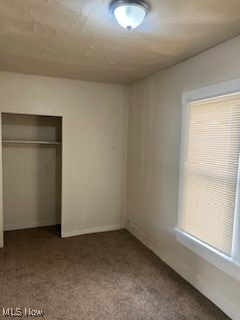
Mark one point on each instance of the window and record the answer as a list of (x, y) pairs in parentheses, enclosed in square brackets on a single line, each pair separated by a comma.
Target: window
[(210, 175)]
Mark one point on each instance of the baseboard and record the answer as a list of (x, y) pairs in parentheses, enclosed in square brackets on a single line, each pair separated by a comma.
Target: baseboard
[(30, 225), (201, 284), (92, 230)]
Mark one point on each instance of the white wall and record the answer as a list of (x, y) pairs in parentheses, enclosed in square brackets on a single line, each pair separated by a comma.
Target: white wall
[(94, 144), (31, 186), (153, 166)]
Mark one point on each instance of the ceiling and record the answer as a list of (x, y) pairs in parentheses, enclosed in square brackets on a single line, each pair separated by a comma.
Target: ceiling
[(80, 39)]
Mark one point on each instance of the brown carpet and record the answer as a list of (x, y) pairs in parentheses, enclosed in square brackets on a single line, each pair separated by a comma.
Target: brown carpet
[(103, 276)]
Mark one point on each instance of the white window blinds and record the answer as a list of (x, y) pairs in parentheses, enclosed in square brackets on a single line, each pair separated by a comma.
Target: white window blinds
[(210, 173)]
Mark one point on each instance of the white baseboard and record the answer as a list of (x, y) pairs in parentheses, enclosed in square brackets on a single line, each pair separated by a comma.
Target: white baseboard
[(92, 230), (30, 225), (227, 306)]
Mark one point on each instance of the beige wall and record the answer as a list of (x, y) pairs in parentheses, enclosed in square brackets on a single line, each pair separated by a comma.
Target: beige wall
[(94, 144), (153, 166)]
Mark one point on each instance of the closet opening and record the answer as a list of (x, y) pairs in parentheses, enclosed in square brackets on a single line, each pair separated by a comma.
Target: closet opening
[(31, 168)]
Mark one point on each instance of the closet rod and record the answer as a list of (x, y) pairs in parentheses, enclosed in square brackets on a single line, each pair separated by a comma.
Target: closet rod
[(31, 142)]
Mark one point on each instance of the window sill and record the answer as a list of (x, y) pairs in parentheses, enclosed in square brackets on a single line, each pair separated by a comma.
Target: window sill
[(218, 259)]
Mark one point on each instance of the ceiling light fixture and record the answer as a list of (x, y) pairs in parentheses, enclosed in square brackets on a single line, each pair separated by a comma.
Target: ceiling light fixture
[(129, 13)]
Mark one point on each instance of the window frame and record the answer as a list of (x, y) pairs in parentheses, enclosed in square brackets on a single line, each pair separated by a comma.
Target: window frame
[(230, 265)]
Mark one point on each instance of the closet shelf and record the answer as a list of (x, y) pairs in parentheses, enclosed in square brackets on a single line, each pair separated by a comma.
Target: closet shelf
[(32, 142)]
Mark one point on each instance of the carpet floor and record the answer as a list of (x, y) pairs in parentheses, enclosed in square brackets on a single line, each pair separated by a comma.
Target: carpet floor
[(104, 276)]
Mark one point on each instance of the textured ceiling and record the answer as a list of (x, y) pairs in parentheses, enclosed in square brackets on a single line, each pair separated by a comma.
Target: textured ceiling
[(80, 39)]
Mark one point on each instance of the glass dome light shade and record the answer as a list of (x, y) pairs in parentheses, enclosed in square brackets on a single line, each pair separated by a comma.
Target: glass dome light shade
[(130, 15)]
